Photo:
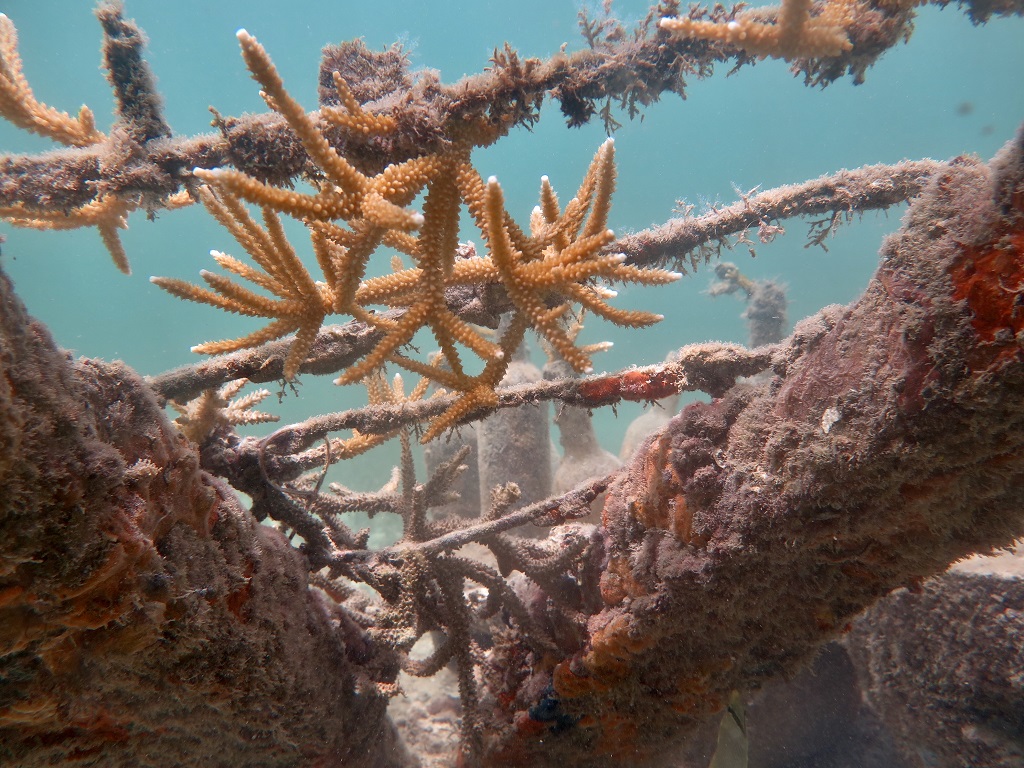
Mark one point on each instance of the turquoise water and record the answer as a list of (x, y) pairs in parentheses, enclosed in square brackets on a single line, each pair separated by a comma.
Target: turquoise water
[(953, 89)]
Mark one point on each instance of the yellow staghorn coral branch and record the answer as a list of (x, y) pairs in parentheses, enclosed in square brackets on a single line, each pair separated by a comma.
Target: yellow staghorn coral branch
[(353, 214), (190, 292), (108, 214), (603, 170), (301, 302), (327, 205), (797, 33), (275, 330), (338, 170), (387, 215), (400, 335), (351, 114), (528, 301), (218, 408), (19, 105), (629, 318)]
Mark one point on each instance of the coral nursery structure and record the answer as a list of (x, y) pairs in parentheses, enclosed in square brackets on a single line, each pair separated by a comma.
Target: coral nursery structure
[(149, 617)]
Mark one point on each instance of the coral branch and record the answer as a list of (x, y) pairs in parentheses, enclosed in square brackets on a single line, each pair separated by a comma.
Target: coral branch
[(680, 243), (19, 105), (796, 33), (693, 240), (892, 445)]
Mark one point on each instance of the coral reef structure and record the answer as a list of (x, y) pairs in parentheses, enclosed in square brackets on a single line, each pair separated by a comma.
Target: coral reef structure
[(149, 617)]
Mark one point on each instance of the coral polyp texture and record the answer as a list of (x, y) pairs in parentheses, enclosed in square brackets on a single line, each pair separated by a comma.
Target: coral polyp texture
[(149, 617)]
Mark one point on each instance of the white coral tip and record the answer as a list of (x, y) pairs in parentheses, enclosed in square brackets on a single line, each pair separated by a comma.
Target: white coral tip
[(242, 34), (492, 180)]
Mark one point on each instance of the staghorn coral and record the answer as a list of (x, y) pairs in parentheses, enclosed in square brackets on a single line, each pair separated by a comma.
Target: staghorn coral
[(220, 408), (796, 34), (542, 274), (140, 180), (19, 105)]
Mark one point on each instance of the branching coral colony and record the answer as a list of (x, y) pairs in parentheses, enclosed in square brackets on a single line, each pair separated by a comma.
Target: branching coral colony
[(542, 274), (543, 660)]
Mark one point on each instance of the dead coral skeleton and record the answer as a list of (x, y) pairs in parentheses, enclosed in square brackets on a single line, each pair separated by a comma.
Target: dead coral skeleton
[(422, 579)]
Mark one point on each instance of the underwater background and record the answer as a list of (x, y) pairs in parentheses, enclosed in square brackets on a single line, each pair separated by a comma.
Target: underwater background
[(953, 89)]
